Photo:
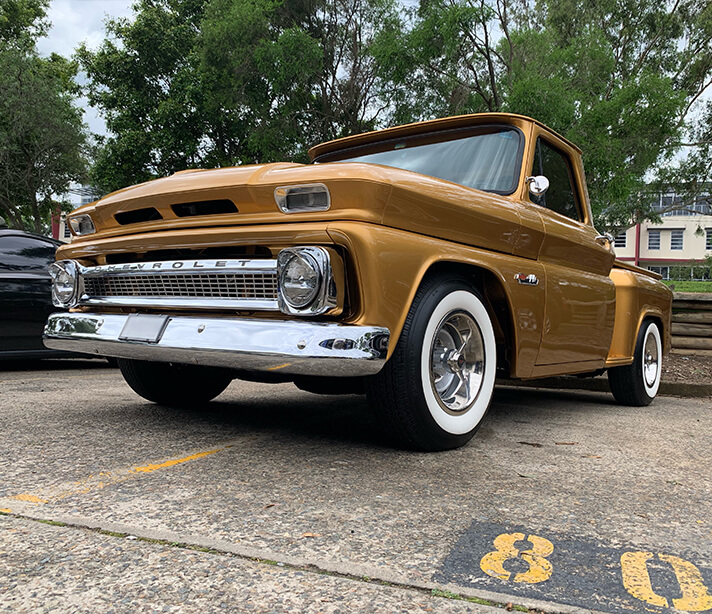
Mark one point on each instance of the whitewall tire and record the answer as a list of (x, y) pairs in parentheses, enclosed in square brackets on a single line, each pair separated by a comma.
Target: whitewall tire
[(638, 383), (435, 390)]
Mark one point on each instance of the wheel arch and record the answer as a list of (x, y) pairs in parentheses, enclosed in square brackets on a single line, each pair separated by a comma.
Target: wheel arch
[(656, 316), (493, 292)]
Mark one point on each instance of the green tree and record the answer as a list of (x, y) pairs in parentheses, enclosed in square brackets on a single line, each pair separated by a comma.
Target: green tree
[(42, 136), (259, 66), (22, 21), (620, 78), (190, 83), (144, 80)]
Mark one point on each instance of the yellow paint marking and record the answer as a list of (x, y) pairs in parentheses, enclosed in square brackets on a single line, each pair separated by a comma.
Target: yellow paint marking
[(278, 367), (30, 498), (636, 579), (5, 510), (170, 463), (695, 597), (540, 569), (103, 479)]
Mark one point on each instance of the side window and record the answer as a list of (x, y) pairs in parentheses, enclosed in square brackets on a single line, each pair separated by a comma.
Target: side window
[(555, 166), (18, 253)]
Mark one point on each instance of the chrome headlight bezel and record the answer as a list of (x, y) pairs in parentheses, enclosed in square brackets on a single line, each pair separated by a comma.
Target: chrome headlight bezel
[(307, 198), (324, 297), (81, 225), (66, 283)]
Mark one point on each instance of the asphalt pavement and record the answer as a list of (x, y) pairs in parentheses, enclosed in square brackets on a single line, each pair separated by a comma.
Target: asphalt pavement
[(270, 499)]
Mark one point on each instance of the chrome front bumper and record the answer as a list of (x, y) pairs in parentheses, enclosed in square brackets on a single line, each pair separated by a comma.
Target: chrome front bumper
[(293, 347)]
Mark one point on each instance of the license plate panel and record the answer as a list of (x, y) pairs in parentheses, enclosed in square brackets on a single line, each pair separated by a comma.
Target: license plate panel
[(144, 327)]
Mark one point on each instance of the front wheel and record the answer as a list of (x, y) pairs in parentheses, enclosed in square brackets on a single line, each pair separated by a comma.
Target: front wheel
[(174, 385), (637, 384), (436, 388)]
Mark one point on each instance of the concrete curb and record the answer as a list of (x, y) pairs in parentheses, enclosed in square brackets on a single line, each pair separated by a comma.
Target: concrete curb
[(600, 384), (367, 574)]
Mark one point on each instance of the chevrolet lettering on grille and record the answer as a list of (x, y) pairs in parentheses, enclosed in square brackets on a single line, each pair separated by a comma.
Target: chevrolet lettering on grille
[(175, 265), (206, 284)]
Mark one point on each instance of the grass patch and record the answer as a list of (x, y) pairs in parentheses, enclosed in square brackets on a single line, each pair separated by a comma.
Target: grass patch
[(436, 592), (111, 533), (689, 286), (53, 523)]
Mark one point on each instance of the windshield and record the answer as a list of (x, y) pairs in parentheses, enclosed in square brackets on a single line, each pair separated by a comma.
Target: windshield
[(487, 160)]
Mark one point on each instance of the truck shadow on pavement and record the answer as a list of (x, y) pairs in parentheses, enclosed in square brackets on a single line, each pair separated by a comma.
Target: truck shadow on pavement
[(55, 364), (349, 419)]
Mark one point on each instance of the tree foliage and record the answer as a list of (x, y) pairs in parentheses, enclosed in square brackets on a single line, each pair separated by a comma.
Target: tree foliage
[(617, 77), (22, 21), (192, 83), (219, 82), (42, 136)]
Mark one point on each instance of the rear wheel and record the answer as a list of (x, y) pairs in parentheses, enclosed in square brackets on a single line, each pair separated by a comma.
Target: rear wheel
[(436, 388), (172, 384), (637, 384)]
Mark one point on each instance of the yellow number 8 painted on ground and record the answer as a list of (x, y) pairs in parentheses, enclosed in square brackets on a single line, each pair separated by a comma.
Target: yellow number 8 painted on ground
[(540, 568)]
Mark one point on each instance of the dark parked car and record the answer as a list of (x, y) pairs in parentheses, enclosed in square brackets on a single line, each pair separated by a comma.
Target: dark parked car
[(25, 293)]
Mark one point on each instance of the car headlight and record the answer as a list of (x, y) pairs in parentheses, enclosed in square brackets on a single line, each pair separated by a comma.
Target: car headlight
[(306, 281), (303, 198), (81, 225), (299, 279), (65, 283)]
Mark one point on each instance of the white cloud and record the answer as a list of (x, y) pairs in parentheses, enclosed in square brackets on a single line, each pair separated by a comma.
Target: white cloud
[(81, 21)]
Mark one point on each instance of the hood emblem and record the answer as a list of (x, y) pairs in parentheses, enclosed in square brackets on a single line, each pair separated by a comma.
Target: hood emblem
[(527, 280)]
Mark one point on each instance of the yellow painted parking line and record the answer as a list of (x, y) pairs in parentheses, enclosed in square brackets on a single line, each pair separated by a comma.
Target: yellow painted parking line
[(30, 498), (278, 367), (104, 479), (177, 461)]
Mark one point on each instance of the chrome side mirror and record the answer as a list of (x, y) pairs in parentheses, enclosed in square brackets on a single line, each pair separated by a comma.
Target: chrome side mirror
[(537, 185), (605, 239)]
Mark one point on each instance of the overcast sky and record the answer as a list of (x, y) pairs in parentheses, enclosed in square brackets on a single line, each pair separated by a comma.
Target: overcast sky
[(81, 21)]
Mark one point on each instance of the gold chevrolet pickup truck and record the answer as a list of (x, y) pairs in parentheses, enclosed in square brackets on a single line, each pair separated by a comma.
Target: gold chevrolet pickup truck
[(415, 264)]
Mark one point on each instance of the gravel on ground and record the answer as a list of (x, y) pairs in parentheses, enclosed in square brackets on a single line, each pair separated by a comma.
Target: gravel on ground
[(687, 369)]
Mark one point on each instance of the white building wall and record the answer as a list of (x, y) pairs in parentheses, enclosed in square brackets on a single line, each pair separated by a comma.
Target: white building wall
[(695, 241)]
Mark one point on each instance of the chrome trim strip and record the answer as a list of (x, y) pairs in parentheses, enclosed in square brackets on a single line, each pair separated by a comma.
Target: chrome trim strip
[(277, 346), (181, 266), (182, 303)]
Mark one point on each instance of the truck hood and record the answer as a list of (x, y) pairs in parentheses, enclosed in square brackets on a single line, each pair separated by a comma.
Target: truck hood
[(358, 192)]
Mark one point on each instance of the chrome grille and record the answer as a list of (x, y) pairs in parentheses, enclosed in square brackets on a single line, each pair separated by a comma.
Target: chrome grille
[(254, 286), (202, 284)]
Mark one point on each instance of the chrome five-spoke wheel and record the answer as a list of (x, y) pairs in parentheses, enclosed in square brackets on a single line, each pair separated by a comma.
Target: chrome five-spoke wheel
[(434, 391), (457, 362)]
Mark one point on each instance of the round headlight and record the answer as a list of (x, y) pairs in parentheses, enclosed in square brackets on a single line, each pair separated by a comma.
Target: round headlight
[(65, 278), (300, 280)]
